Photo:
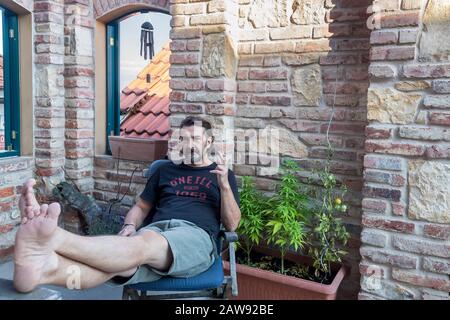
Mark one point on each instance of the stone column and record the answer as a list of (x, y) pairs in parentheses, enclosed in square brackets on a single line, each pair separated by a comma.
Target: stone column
[(203, 65), (49, 93), (406, 219), (79, 92)]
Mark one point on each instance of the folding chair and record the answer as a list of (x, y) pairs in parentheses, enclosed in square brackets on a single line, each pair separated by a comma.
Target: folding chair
[(211, 283)]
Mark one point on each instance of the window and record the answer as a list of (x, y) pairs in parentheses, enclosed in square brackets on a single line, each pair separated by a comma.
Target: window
[(124, 61), (9, 84)]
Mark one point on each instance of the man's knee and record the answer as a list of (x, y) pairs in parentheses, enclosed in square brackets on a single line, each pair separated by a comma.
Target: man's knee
[(158, 253)]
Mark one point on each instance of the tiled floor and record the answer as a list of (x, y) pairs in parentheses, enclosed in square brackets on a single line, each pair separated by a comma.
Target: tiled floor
[(102, 292)]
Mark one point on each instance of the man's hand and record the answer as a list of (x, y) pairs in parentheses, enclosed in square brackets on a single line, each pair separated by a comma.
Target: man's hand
[(127, 230), (222, 172), (229, 210)]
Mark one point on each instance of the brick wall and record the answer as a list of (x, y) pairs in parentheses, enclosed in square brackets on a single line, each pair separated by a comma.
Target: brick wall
[(203, 64), (406, 171), (79, 92), (13, 173), (109, 173), (64, 117), (293, 57), (264, 86)]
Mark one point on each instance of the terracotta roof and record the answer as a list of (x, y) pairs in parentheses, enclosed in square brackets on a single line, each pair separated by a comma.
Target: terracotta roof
[(146, 104), (1, 71)]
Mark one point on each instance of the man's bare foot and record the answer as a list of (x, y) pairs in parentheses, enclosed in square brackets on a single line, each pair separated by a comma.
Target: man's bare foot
[(28, 205), (33, 254)]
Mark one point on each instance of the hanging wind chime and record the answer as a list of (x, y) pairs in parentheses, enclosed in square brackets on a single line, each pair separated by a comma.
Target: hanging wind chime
[(147, 42)]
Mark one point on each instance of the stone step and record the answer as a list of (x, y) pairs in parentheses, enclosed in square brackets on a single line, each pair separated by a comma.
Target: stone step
[(7, 292)]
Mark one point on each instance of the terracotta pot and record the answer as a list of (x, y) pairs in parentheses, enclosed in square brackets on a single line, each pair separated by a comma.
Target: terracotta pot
[(258, 284), (140, 149)]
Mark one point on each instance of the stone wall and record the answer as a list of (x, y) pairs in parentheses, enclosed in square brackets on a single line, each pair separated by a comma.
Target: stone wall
[(64, 117), (246, 69), (112, 179), (13, 173), (203, 64), (406, 250), (298, 59)]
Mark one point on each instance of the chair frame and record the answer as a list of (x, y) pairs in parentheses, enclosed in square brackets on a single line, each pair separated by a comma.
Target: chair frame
[(221, 292), (229, 282)]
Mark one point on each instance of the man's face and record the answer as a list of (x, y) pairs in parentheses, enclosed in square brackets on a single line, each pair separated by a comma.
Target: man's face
[(194, 144)]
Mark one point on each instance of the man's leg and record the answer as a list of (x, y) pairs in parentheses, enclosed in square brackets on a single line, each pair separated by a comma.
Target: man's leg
[(39, 237), (36, 263), (75, 275), (106, 253), (115, 253)]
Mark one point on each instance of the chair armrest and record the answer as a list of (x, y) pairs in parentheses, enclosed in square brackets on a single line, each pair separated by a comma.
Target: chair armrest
[(229, 236)]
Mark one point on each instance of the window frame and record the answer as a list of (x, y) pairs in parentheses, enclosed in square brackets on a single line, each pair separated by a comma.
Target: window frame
[(112, 81), (11, 82)]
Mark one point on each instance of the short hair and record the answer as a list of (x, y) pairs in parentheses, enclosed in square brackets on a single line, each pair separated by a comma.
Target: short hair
[(193, 120)]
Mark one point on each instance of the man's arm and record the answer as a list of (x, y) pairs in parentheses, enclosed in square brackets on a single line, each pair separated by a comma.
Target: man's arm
[(135, 217), (230, 212)]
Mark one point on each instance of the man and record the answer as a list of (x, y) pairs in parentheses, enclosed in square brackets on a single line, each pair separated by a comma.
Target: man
[(191, 199)]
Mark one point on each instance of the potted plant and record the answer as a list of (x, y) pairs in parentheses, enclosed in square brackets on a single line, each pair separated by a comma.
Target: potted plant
[(285, 214), (327, 230), (274, 229), (252, 205)]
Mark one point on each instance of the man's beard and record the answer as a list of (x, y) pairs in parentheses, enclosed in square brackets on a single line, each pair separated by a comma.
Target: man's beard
[(195, 157)]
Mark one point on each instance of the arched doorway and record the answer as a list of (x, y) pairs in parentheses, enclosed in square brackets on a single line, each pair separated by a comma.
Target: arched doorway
[(108, 10)]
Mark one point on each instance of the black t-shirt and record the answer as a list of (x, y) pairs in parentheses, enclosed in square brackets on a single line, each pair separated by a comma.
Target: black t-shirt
[(180, 191)]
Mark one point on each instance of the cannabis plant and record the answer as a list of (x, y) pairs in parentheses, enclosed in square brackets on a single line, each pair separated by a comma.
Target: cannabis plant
[(285, 213), (251, 225)]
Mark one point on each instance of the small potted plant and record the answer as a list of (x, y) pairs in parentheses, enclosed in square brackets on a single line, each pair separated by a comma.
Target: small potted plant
[(327, 230), (285, 214), (277, 231), (252, 224)]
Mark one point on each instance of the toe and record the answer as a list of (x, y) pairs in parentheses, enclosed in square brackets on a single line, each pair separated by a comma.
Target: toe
[(27, 185), (29, 212), (54, 210), (30, 183), (36, 211), (29, 197), (43, 210)]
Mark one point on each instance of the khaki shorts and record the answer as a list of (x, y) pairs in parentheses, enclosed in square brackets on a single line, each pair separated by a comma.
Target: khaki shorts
[(193, 250)]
